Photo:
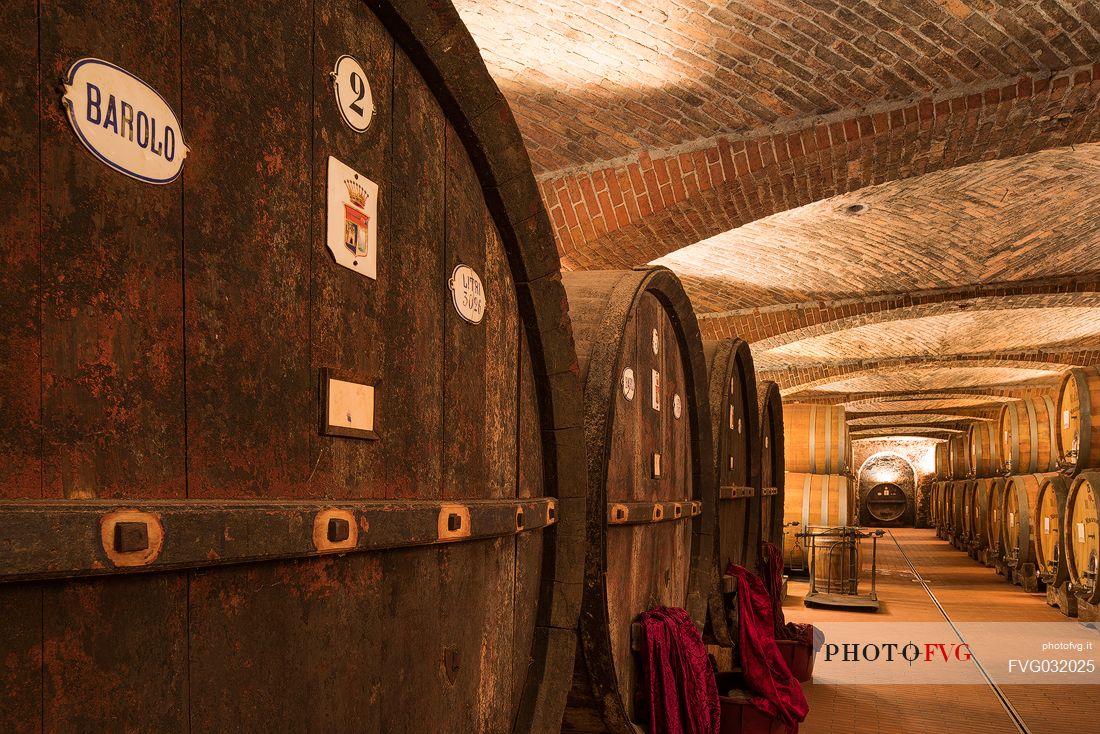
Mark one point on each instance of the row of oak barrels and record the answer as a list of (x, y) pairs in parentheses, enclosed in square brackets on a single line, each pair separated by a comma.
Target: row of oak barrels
[(1056, 432), (243, 487), (1040, 525)]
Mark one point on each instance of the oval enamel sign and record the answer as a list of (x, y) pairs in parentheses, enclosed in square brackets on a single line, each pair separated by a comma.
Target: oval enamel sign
[(467, 294), (124, 122)]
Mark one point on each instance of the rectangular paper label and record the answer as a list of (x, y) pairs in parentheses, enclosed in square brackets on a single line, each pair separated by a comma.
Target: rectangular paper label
[(350, 405), (1080, 532), (1046, 524), (731, 418), (1065, 419), (656, 390)]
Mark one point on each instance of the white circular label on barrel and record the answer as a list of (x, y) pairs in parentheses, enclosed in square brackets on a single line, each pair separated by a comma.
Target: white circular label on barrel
[(676, 407), (467, 294), (656, 342), (353, 95), (628, 384)]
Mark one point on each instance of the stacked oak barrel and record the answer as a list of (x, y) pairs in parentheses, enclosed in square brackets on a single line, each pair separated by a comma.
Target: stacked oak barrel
[(1020, 493), (819, 491)]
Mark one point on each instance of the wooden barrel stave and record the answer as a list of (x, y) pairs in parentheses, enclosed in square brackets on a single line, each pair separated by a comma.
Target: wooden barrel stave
[(639, 320), (772, 464), (816, 438), (1081, 536), (1078, 415), (266, 310)]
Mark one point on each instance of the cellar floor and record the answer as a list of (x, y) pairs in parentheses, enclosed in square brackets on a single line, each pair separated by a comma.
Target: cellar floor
[(967, 592)]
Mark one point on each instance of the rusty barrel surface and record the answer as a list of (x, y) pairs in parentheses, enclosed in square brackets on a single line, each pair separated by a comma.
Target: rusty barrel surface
[(355, 502), (651, 497)]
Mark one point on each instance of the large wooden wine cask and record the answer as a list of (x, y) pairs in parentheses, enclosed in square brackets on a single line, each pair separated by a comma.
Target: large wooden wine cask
[(1078, 434), (981, 507), (995, 519), (1018, 525), (1081, 536), (736, 435), (651, 498), (1027, 435), (1050, 512), (983, 444), (814, 501), (959, 491), (959, 456), (773, 475), (251, 489), (816, 438), (943, 460), (969, 511)]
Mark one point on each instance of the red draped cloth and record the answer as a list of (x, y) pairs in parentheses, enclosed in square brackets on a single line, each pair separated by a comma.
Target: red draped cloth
[(678, 689), (775, 692), (771, 573)]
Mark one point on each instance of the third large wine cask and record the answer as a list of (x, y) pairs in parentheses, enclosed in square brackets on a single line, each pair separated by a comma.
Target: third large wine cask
[(1050, 513), (651, 495), (1019, 529), (816, 438)]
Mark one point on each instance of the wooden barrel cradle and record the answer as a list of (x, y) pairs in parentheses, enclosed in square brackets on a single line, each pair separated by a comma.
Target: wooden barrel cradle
[(772, 462), (651, 494), (1078, 433), (1050, 512), (357, 503), (1018, 523), (959, 456), (984, 447), (814, 501), (1081, 537), (816, 438), (1027, 433), (736, 440)]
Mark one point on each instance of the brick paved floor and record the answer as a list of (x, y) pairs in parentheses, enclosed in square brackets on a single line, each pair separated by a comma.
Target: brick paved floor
[(969, 593)]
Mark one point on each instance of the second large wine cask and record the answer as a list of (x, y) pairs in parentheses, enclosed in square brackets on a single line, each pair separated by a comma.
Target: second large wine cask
[(1027, 429), (737, 459), (814, 501), (651, 498)]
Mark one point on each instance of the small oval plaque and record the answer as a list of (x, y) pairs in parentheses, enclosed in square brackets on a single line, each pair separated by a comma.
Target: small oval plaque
[(124, 122), (468, 294), (628, 384), (656, 342), (677, 407), (353, 95)]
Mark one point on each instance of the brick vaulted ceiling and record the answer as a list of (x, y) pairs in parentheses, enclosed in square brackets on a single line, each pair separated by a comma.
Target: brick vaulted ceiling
[(890, 199)]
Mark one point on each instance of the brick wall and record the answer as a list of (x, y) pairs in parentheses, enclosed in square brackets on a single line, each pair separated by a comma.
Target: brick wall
[(918, 456)]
